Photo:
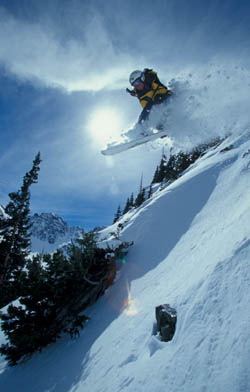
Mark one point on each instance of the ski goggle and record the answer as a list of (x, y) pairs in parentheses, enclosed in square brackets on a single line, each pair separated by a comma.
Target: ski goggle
[(137, 82)]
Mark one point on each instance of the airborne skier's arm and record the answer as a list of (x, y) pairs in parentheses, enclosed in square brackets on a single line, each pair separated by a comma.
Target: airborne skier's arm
[(131, 92)]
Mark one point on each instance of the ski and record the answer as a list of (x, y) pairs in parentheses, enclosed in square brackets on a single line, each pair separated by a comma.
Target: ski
[(114, 149)]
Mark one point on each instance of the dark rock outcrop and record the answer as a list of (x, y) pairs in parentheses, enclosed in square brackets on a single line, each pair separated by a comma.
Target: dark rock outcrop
[(166, 318)]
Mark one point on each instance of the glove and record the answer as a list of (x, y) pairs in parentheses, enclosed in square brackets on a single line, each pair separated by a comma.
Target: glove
[(131, 92)]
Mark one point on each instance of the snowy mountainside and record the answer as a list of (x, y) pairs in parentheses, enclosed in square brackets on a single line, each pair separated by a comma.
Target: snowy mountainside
[(49, 231), (191, 250)]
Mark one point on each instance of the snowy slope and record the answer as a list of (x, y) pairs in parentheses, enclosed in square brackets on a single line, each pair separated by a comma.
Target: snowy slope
[(192, 250)]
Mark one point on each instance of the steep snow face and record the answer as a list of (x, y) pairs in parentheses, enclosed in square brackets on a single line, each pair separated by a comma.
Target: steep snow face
[(191, 250), (49, 231)]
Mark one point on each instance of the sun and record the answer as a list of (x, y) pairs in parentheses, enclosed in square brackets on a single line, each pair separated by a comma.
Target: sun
[(105, 125)]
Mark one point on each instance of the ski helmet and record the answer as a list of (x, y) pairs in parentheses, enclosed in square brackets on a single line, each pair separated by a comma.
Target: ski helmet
[(134, 76)]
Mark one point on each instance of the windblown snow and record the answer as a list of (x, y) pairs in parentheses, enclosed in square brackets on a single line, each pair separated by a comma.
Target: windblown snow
[(192, 251)]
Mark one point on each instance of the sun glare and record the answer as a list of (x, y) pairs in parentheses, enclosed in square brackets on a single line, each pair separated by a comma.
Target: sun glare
[(105, 125), (130, 304)]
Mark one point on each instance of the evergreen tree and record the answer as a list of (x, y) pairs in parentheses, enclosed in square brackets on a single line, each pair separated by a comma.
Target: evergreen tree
[(141, 195), (15, 243), (169, 170), (179, 162), (127, 207), (131, 201), (118, 214), (150, 191), (140, 198), (57, 289), (162, 170), (129, 204), (162, 167), (156, 178)]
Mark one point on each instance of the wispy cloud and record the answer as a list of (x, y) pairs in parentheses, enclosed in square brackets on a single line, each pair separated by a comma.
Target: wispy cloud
[(33, 51), (104, 45)]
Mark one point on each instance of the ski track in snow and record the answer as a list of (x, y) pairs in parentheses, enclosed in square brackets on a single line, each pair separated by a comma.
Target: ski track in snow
[(191, 250)]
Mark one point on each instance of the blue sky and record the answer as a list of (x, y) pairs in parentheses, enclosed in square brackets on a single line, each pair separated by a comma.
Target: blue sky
[(62, 62)]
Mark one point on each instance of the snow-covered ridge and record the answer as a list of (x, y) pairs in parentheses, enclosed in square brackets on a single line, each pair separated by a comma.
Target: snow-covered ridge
[(49, 231)]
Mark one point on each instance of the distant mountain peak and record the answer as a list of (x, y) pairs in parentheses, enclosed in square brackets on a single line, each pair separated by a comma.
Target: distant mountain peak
[(49, 231)]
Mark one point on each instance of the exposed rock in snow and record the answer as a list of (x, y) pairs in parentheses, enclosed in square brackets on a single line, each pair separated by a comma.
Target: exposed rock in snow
[(166, 321)]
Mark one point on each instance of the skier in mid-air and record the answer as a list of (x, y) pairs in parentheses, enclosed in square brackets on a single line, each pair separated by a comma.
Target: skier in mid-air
[(149, 90)]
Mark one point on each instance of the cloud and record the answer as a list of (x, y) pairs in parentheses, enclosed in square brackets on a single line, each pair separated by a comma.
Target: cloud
[(33, 51), (90, 48)]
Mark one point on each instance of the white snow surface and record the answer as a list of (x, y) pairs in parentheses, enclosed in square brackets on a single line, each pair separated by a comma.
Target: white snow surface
[(192, 251)]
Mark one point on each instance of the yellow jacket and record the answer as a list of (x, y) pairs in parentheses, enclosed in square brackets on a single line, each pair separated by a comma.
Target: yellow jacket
[(153, 88)]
